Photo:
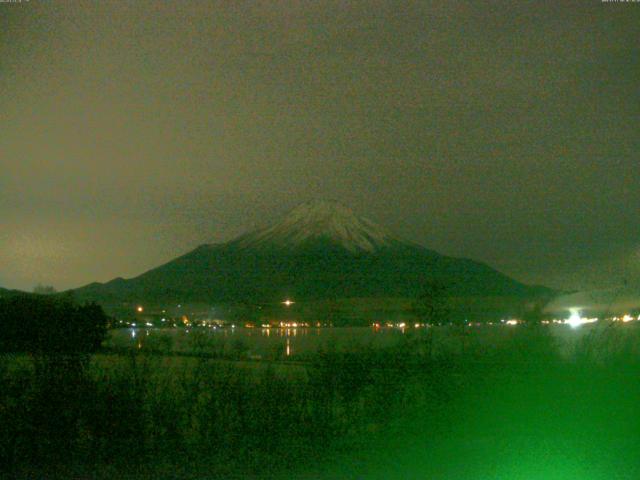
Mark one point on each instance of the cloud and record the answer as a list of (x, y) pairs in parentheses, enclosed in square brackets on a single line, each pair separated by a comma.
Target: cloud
[(136, 131)]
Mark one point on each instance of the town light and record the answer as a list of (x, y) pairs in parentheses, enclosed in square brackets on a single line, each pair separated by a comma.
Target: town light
[(576, 319), (288, 302)]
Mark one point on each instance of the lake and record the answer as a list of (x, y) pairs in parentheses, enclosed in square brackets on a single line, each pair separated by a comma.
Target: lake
[(292, 342)]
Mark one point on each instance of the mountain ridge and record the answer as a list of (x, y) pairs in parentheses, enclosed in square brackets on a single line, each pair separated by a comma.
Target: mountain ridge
[(320, 250)]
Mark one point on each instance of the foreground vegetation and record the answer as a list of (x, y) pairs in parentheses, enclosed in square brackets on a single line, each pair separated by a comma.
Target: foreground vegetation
[(414, 410)]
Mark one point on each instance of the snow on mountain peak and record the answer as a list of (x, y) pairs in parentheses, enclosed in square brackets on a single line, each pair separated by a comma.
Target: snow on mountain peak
[(323, 219)]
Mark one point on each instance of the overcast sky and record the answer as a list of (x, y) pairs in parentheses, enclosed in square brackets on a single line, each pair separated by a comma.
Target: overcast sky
[(132, 132)]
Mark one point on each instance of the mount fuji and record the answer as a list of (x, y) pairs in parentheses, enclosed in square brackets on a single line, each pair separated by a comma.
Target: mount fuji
[(320, 250)]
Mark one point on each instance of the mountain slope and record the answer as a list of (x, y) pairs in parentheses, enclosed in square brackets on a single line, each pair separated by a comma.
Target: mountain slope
[(10, 293), (320, 250)]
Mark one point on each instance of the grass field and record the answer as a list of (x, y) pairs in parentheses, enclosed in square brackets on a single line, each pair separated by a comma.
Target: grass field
[(517, 408)]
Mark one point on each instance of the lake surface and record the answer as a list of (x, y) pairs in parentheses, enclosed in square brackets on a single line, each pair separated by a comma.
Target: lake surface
[(258, 342), (292, 342)]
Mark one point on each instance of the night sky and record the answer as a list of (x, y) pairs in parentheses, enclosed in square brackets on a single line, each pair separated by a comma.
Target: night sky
[(132, 132)]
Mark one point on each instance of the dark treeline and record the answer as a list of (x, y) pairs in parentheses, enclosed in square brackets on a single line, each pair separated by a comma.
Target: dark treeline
[(45, 324)]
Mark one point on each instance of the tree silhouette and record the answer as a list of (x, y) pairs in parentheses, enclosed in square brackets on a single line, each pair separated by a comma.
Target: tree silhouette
[(44, 324), (44, 289)]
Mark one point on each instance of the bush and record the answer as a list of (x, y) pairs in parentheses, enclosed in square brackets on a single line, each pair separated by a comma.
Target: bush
[(44, 324)]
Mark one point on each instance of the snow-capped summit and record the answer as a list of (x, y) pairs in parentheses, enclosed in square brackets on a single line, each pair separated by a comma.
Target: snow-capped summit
[(322, 220)]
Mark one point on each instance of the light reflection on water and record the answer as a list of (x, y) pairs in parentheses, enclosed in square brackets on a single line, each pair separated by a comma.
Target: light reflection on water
[(259, 341), (274, 342)]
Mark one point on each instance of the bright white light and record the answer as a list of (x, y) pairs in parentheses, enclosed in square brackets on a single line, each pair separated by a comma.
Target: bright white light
[(288, 302), (140, 309), (627, 318), (575, 320)]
